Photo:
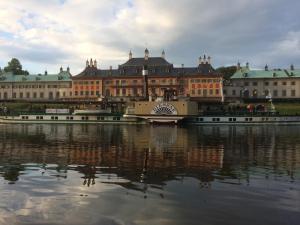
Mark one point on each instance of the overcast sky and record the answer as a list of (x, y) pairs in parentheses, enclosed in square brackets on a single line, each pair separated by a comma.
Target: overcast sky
[(45, 34)]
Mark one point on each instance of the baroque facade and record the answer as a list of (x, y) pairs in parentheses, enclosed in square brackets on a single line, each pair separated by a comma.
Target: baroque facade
[(278, 84), (127, 83)]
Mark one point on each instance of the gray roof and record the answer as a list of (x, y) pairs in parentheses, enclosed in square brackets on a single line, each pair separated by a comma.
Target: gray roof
[(151, 61), (157, 66), (10, 77)]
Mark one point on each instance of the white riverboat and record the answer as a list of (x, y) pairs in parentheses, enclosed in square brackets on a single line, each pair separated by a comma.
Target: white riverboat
[(246, 119), (69, 118)]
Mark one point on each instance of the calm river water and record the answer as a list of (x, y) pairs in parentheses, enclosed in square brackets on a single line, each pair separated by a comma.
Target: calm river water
[(134, 175)]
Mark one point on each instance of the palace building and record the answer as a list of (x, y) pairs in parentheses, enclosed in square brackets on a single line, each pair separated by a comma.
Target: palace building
[(46, 87), (278, 84), (148, 77)]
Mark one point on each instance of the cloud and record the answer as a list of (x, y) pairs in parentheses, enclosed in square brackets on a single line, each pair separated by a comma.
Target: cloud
[(48, 33)]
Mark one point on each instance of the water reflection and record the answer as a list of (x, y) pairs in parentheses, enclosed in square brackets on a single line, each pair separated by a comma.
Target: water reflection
[(77, 161)]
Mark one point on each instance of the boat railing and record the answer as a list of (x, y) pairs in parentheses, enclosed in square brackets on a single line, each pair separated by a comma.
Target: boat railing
[(237, 114)]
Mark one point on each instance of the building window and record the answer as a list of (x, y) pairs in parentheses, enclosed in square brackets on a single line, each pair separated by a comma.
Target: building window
[(283, 83), (246, 83), (134, 81), (266, 83), (293, 83), (86, 92), (14, 95), (193, 92), (123, 91), (135, 91), (81, 93), (42, 95), (118, 92), (97, 93), (266, 92), (217, 92), (210, 91), (34, 95), (233, 92), (21, 95), (275, 83), (293, 93), (27, 95), (76, 93), (283, 93), (275, 93), (92, 92), (199, 91), (254, 83)]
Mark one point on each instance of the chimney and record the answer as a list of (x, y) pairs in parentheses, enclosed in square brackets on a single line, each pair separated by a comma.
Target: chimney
[(292, 67), (163, 54), (266, 68), (130, 55), (95, 63), (146, 54), (209, 60), (200, 60), (204, 59)]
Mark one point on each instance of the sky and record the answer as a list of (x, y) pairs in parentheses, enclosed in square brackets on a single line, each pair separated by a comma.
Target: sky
[(47, 34)]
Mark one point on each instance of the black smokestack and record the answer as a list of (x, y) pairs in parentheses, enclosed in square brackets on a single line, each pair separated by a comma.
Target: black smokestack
[(145, 75)]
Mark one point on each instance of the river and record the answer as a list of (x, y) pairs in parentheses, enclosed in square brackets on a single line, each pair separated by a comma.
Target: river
[(140, 174)]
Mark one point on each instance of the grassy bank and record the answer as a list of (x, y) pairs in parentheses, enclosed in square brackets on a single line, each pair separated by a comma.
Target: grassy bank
[(288, 108)]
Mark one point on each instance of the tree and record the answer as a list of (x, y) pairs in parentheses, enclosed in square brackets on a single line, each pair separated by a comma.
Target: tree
[(227, 71), (15, 67)]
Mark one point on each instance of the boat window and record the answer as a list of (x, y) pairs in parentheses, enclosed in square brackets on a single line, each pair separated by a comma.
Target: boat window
[(71, 118), (82, 118), (218, 119), (246, 119), (230, 119), (56, 118), (234, 119), (250, 119), (68, 118), (52, 117)]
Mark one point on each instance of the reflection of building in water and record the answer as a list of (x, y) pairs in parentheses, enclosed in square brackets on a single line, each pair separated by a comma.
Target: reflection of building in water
[(110, 149), (151, 154)]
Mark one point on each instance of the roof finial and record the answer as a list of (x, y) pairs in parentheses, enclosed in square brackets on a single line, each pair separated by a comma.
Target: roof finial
[(61, 69), (266, 67), (95, 63), (247, 65), (238, 65), (87, 63), (163, 54), (146, 54), (292, 67), (91, 62), (130, 55)]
